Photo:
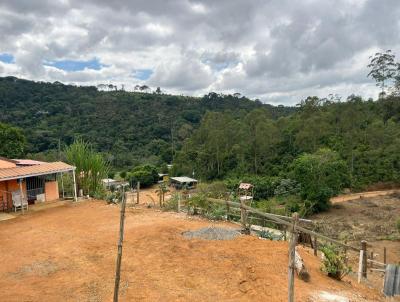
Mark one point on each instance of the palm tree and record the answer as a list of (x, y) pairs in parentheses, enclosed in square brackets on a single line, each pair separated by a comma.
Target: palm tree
[(162, 189)]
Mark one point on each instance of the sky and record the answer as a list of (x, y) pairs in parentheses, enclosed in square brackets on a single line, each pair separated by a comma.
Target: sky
[(279, 51)]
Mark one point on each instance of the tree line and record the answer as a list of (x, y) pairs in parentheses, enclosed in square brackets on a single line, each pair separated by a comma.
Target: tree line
[(128, 128)]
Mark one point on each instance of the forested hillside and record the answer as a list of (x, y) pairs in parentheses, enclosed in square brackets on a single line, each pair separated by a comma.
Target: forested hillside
[(128, 127), (365, 134)]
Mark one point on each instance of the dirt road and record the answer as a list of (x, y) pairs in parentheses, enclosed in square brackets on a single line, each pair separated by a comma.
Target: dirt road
[(68, 254), (353, 196)]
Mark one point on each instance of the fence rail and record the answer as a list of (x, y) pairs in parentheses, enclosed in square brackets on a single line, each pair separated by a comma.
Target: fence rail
[(284, 221)]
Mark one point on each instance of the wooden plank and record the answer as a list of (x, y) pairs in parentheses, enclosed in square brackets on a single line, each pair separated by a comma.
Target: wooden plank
[(376, 262), (392, 281)]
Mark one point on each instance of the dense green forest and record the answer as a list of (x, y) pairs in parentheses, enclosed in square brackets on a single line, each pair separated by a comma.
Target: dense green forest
[(364, 133), (129, 128)]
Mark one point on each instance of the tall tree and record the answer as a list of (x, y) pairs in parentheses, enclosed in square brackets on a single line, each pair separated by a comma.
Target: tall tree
[(383, 68), (12, 141)]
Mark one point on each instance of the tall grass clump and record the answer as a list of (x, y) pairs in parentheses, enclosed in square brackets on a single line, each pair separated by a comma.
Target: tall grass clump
[(91, 167)]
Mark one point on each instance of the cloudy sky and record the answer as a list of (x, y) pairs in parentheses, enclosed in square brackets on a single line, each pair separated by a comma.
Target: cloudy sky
[(277, 51)]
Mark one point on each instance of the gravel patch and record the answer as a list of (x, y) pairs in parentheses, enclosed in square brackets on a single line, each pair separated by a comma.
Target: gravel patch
[(212, 233)]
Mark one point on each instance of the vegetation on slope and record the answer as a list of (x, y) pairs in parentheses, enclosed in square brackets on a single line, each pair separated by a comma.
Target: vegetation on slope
[(128, 127)]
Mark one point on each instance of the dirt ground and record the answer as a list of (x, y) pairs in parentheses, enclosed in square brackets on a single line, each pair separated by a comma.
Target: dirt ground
[(353, 196), (67, 253), (372, 218)]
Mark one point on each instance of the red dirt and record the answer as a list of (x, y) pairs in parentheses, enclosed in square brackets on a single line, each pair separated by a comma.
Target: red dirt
[(353, 196), (68, 254)]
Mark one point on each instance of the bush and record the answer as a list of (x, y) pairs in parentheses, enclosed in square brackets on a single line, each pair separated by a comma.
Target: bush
[(171, 204), (321, 175), (216, 189), (91, 167), (197, 201), (146, 175), (398, 224), (287, 187), (334, 262), (215, 212), (114, 197), (100, 193), (123, 174)]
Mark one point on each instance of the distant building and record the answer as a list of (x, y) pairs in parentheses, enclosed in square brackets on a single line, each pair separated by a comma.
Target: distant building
[(110, 183), (183, 182)]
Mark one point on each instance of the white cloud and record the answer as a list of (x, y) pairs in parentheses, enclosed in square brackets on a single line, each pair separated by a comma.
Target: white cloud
[(278, 51)]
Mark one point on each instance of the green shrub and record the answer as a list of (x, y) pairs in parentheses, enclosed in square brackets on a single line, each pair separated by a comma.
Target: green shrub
[(146, 174), (114, 197), (198, 201), (334, 263), (171, 204), (216, 189), (398, 224), (321, 175), (287, 186), (91, 167), (100, 193), (123, 174), (215, 212)]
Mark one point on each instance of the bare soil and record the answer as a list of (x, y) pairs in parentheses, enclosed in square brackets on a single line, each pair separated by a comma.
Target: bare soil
[(68, 253), (371, 218), (368, 194)]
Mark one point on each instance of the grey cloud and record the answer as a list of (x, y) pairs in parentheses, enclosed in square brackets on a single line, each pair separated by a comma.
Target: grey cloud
[(261, 48)]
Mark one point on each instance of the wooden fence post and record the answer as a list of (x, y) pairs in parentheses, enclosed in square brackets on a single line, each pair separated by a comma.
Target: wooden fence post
[(315, 246), (364, 262), (137, 192), (384, 255), (121, 239), (243, 216), (360, 265), (292, 256), (372, 258)]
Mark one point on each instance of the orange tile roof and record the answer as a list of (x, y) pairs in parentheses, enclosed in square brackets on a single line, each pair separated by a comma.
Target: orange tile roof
[(28, 171)]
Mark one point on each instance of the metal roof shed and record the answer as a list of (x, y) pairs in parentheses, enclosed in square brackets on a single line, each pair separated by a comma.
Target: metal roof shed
[(183, 181)]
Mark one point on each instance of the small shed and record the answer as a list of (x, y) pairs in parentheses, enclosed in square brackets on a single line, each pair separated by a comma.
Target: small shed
[(163, 177), (183, 182), (110, 183)]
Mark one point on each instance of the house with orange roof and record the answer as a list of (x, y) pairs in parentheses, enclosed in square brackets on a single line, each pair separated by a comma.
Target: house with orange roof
[(24, 182)]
